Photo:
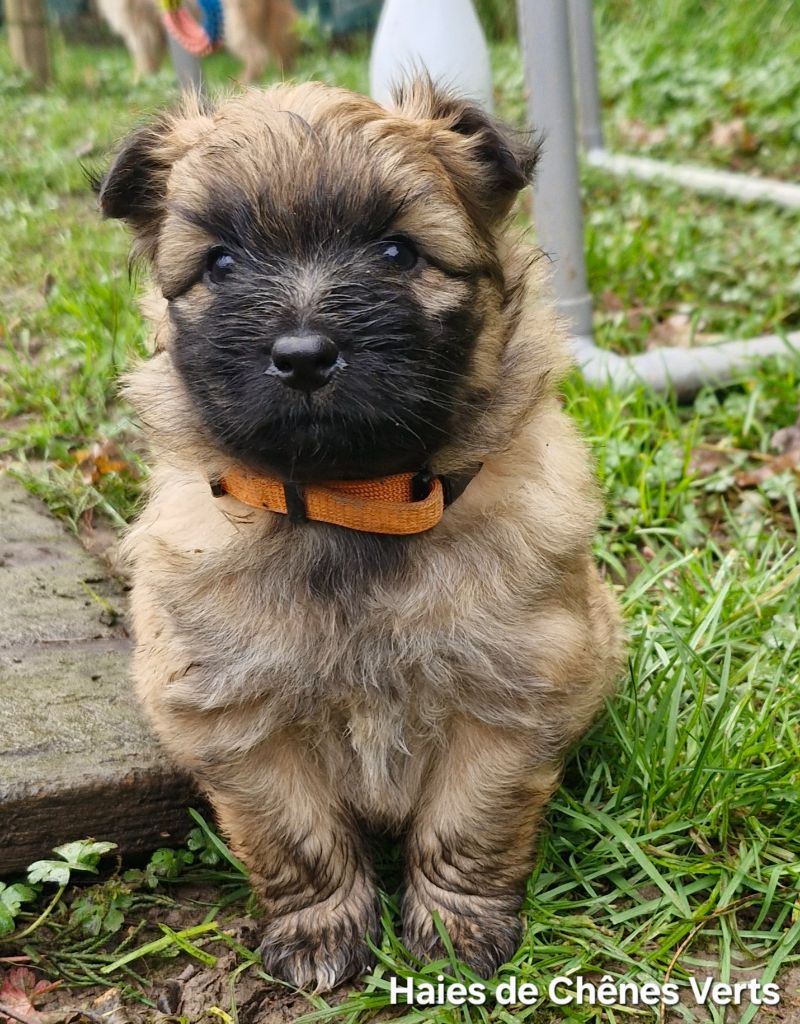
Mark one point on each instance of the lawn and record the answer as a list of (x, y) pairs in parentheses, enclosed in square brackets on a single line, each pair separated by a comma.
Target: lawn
[(673, 847)]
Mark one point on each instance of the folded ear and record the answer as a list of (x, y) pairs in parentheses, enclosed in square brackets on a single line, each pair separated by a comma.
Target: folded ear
[(489, 161), (134, 188)]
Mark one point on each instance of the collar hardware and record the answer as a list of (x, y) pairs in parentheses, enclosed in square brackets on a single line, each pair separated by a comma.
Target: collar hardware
[(421, 484), (294, 496)]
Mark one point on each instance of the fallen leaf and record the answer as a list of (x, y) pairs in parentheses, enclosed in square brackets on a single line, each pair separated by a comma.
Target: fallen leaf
[(19, 991), (110, 1007), (752, 478), (733, 135), (611, 301), (787, 439), (631, 314), (786, 442), (705, 460), (674, 331), (101, 459), (169, 999), (637, 133)]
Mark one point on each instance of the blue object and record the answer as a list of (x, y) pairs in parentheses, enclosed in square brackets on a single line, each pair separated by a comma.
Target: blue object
[(211, 18)]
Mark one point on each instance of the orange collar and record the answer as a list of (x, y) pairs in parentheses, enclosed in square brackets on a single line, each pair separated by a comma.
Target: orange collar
[(403, 504)]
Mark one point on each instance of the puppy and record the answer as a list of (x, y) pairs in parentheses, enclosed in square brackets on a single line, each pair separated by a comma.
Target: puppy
[(363, 591), (255, 30)]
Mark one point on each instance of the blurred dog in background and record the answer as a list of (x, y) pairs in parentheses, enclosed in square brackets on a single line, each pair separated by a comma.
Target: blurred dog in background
[(255, 31)]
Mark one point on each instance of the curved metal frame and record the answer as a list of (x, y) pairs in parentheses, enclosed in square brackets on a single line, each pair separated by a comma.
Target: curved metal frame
[(557, 36)]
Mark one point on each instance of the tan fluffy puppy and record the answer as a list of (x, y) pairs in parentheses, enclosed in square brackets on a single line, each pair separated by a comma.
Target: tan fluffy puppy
[(322, 682)]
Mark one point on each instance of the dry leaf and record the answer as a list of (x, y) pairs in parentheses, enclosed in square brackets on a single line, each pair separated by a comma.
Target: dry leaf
[(109, 1005), (99, 460), (787, 439), (611, 301), (637, 133), (754, 477), (674, 331), (705, 461), (733, 135), (19, 991), (632, 315)]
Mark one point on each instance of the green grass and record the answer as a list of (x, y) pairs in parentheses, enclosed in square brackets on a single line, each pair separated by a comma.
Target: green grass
[(675, 840), (685, 66)]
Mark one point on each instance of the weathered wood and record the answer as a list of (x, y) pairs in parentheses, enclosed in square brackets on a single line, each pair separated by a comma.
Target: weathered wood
[(27, 38), (76, 759)]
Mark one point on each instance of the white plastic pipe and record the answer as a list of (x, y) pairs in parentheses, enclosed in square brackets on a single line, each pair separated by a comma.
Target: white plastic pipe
[(442, 37), (683, 371), (707, 180), (742, 187)]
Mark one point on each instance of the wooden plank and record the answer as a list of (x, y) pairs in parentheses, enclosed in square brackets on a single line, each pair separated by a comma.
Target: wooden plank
[(76, 758)]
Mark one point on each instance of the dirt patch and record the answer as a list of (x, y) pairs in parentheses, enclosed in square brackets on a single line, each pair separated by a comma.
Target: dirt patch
[(182, 990), (786, 1012), (195, 991), (177, 989), (193, 994), (789, 1010)]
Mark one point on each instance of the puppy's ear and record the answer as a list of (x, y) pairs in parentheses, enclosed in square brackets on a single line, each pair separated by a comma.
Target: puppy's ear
[(488, 161), (134, 188)]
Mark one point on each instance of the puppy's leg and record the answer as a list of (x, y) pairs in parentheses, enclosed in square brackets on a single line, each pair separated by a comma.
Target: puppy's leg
[(258, 29), (306, 862), (145, 39), (139, 24), (470, 845), (243, 37), (255, 60), (280, 33)]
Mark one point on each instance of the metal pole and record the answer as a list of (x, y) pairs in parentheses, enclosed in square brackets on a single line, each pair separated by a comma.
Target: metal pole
[(545, 35), (584, 55), (544, 26), (187, 67)]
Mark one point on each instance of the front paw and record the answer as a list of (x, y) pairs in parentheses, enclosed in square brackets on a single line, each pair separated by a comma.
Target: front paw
[(485, 930), (320, 946)]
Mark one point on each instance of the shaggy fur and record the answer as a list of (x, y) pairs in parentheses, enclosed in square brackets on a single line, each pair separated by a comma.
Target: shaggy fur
[(255, 30), (320, 682)]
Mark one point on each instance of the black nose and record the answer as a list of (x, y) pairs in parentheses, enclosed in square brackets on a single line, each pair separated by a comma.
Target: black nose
[(304, 361)]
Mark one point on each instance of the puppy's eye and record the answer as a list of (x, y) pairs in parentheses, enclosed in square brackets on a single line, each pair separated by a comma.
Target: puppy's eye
[(399, 253), (219, 265)]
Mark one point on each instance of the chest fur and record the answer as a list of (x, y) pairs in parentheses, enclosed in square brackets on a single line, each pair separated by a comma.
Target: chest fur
[(300, 627)]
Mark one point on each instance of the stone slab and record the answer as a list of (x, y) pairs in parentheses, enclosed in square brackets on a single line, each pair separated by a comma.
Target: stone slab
[(76, 758)]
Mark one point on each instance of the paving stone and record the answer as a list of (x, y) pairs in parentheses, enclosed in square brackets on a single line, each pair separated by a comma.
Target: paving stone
[(76, 758)]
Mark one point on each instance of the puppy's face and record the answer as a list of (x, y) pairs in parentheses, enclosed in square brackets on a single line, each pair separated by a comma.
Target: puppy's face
[(331, 269)]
